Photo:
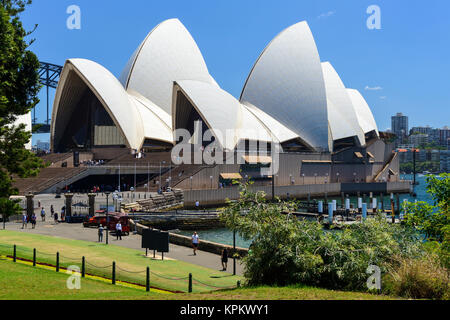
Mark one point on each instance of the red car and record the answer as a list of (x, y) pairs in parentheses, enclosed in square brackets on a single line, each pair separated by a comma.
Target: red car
[(114, 217)]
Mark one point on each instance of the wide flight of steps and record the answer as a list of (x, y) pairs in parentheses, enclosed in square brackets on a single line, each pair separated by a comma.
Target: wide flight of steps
[(156, 202)]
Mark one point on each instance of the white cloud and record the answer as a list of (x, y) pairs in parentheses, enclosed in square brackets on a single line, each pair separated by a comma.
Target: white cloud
[(377, 88), (326, 14)]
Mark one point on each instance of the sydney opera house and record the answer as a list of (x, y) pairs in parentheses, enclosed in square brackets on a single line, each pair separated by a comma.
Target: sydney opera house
[(326, 132)]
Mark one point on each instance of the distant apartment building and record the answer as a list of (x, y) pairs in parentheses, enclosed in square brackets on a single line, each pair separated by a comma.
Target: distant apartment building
[(445, 161), (436, 136), (444, 137), (418, 139), (400, 127)]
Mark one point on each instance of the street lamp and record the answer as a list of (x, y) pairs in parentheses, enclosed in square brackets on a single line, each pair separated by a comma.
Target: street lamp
[(148, 177), (315, 178), (170, 177), (354, 176), (211, 178), (303, 175), (132, 193), (234, 243), (290, 179), (115, 197), (119, 177), (337, 175), (107, 215), (160, 182), (190, 178), (135, 175)]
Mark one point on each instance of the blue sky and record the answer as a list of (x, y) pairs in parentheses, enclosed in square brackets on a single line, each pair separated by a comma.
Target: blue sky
[(404, 67)]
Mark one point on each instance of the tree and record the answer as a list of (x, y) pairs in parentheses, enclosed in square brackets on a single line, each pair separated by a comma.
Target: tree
[(19, 86), (433, 220)]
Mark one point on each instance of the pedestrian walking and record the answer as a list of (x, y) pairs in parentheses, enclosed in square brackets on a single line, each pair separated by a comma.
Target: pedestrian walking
[(43, 214), (24, 221), (195, 242), (224, 259), (119, 231), (33, 221), (100, 233), (56, 217)]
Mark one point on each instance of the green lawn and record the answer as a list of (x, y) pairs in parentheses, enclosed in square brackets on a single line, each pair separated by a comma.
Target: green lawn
[(23, 282), (285, 293), (130, 264)]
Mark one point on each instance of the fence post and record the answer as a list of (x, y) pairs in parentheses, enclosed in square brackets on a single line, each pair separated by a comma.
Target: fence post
[(190, 283), (147, 280), (83, 267), (114, 272), (57, 262), (14, 254), (34, 257)]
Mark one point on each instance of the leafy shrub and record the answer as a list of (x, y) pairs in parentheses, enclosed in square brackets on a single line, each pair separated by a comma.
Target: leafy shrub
[(287, 250)]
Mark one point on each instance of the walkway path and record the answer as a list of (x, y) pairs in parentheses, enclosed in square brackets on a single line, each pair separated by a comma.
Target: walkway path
[(78, 232)]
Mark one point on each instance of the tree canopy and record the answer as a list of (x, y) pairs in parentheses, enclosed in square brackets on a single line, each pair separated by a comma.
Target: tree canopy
[(19, 86)]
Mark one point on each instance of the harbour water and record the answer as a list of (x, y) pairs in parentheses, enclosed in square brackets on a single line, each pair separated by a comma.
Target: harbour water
[(225, 236)]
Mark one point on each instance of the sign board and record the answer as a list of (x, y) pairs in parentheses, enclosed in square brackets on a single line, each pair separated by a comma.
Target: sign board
[(155, 240)]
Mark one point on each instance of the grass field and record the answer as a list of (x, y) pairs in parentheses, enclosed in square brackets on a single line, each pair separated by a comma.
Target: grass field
[(24, 282), (130, 264)]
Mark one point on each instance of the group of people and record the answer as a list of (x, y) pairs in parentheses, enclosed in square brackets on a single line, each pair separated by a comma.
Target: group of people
[(33, 219), (26, 220), (90, 163), (101, 229), (224, 256)]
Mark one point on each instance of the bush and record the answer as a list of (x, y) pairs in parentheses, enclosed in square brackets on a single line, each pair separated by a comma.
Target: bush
[(422, 278), (287, 250)]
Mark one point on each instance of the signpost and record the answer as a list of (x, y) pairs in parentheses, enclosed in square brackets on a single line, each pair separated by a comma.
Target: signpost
[(155, 240)]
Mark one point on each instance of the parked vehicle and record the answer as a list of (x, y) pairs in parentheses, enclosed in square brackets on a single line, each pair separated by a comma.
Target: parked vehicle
[(114, 217)]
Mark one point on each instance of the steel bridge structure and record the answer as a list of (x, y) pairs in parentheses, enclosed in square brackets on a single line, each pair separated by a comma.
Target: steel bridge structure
[(48, 76)]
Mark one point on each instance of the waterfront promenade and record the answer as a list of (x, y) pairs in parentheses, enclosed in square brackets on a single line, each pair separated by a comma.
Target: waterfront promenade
[(78, 232)]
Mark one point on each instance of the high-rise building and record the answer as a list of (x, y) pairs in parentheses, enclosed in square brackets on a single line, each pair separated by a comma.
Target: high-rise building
[(400, 127)]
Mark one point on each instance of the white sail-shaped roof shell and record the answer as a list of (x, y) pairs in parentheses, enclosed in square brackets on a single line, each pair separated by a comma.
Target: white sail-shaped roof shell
[(108, 91), (365, 116), (280, 133), (229, 121), (342, 116), (157, 123), (167, 54), (287, 83), (26, 120)]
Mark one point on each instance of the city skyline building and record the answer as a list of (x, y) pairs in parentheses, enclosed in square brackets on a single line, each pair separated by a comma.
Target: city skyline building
[(400, 127)]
